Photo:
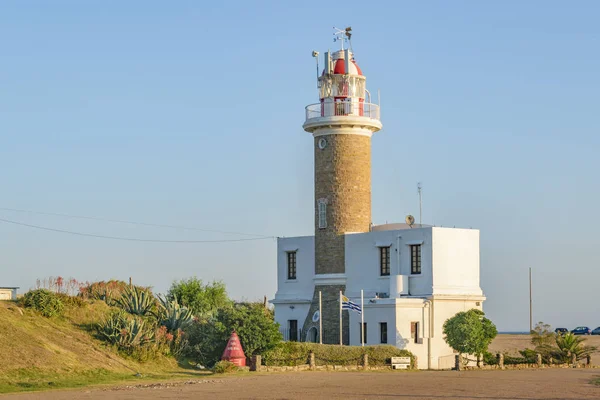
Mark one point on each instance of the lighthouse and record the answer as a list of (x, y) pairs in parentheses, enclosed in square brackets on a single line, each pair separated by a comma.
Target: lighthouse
[(341, 123), (409, 279)]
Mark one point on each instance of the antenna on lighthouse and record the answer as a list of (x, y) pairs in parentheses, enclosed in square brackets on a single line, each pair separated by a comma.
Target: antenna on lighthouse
[(315, 54), (342, 34)]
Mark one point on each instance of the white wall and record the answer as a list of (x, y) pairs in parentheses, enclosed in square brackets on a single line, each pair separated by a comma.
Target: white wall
[(456, 261), (293, 296), (363, 266), (8, 294)]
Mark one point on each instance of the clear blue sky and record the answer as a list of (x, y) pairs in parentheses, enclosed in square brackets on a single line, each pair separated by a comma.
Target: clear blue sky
[(188, 114)]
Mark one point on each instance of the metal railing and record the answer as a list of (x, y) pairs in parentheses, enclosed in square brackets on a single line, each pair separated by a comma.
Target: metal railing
[(342, 108)]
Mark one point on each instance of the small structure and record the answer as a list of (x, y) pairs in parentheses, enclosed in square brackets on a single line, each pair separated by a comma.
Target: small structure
[(8, 293), (234, 352)]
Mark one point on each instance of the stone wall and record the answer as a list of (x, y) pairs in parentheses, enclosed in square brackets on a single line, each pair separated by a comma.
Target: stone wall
[(343, 179), (330, 306)]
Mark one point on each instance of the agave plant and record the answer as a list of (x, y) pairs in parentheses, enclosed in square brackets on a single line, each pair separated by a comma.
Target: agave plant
[(137, 301), (172, 315), (125, 332), (568, 345)]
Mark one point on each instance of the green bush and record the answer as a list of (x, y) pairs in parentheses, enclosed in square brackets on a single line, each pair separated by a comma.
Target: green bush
[(224, 367), (489, 358), (254, 324), (45, 302), (204, 300), (296, 353)]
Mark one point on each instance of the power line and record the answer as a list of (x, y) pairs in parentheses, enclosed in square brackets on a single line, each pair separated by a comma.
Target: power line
[(128, 238), (121, 221)]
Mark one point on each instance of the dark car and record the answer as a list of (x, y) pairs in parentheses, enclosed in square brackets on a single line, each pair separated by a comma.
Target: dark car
[(561, 331), (596, 331), (581, 330)]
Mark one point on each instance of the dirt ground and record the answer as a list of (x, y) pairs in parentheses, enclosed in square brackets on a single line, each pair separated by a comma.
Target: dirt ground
[(555, 384), (513, 343)]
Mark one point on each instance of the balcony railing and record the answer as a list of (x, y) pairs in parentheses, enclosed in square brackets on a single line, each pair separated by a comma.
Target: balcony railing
[(341, 109)]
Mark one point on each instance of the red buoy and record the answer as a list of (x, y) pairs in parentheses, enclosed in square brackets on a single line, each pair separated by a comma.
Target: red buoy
[(234, 352)]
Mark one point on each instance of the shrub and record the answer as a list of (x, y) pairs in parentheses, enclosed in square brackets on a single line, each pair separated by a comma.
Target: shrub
[(224, 367), (568, 345), (136, 300), (44, 301), (489, 358), (203, 300), (253, 323), (296, 353), (72, 301), (108, 292)]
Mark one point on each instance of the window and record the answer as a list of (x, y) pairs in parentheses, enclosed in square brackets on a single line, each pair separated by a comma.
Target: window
[(414, 331), (415, 259), (384, 261), (383, 332), (364, 332), (322, 209), (291, 264), (293, 328)]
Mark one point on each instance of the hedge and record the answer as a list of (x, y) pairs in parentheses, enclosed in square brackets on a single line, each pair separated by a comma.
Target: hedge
[(297, 353)]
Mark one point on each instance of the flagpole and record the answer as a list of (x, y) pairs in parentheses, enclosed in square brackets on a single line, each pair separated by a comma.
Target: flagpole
[(340, 317), (320, 321), (362, 319)]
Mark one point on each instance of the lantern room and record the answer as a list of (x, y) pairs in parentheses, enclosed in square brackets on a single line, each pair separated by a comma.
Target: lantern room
[(343, 95)]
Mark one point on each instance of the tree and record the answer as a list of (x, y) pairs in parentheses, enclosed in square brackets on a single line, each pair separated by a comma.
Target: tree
[(541, 335), (469, 332), (253, 323), (203, 300)]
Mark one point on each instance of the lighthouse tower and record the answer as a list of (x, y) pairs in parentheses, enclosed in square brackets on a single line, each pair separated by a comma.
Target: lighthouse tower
[(342, 123)]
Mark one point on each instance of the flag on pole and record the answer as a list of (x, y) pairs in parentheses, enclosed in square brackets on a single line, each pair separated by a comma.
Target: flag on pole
[(348, 304)]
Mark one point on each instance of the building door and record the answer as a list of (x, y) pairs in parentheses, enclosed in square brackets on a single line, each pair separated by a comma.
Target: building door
[(312, 335), (293, 330)]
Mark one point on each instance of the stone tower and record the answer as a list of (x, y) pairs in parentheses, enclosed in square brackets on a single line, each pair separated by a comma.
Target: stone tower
[(342, 124)]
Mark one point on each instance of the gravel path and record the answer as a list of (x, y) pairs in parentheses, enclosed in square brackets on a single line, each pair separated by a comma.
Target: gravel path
[(555, 384)]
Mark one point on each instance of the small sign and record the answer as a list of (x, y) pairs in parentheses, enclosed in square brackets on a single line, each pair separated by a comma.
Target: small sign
[(401, 360)]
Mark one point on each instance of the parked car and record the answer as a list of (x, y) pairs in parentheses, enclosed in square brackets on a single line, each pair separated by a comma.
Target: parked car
[(561, 331), (596, 331), (581, 330)]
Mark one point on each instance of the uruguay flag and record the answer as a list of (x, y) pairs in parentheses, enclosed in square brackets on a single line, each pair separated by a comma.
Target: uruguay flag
[(347, 304)]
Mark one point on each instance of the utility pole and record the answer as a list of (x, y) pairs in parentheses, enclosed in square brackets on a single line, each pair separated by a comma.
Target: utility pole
[(420, 190), (530, 304)]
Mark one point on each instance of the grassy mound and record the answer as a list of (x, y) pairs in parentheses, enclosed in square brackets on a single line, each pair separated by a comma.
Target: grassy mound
[(41, 353)]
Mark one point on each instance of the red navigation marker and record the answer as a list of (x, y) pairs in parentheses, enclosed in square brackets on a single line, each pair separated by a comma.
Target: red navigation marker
[(234, 352)]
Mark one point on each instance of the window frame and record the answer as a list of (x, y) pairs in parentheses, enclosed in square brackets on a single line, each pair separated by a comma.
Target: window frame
[(383, 334), (292, 265), (416, 259), (385, 253), (322, 213)]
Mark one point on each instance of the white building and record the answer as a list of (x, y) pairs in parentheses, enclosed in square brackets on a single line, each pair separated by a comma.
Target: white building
[(8, 293), (414, 277)]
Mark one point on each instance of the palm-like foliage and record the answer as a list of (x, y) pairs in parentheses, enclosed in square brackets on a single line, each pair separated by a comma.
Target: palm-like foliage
[(125, 332), (137, 301), (568, 345), (172, 315)]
